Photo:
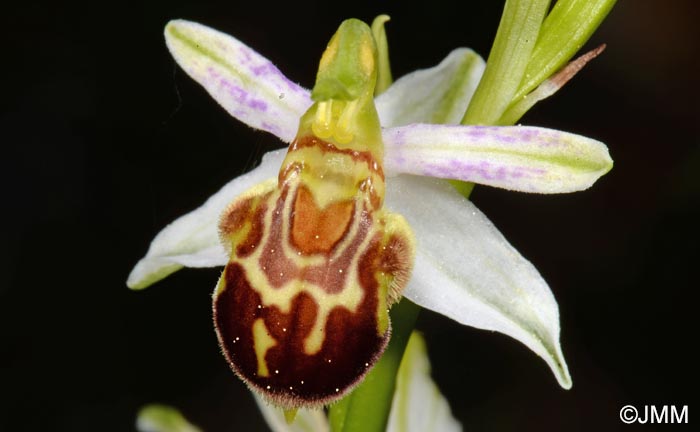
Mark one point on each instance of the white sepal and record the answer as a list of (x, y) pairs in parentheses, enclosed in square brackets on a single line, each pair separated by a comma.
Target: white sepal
[(192, 240), (466, 270), (520, 158), (436, 95), (242, 81)]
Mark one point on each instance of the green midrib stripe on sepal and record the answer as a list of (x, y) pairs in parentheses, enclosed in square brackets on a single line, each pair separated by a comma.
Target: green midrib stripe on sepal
[(203, 52)]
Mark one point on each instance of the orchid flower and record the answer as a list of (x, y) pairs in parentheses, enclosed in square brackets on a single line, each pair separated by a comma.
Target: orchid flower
[(463, 267)]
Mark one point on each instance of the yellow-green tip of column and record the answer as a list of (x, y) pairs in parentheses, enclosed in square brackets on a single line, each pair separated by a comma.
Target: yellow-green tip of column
[(347, 69)]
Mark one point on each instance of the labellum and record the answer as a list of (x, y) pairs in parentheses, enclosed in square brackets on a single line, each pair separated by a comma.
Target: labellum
[(301, 309)]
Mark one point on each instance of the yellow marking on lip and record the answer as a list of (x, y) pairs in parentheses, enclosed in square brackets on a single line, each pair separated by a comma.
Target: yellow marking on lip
[(332, 177), (262, 341)]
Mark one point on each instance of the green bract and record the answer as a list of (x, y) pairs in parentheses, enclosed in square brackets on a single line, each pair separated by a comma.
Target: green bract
[(566, 28), (530, 47)]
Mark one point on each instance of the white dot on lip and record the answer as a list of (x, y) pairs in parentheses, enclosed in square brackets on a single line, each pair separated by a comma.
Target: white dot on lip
[(290, 387), (329, 360), (340, 271), (277, 371), (268, 387), (284, 329), (337, 390), (302, 381)]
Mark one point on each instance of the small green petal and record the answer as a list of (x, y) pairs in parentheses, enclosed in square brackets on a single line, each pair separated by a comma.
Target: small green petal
[(163, 418), (384, 78), (505, 67)]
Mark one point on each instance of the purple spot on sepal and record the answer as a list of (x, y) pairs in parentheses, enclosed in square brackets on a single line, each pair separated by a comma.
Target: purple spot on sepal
[(257, 104), (483, 172), (213, 73), (517, 173), (263, 69), (528, 135), (501, 173), (246, 54), (506, 138), (239, 94), (398, 136), (236, 92), (477, 131)]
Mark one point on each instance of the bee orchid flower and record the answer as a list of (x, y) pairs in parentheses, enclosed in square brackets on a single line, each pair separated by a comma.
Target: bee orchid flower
[(321, 238)]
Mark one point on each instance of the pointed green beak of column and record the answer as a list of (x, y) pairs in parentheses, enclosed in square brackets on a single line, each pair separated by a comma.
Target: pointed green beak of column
[(347, 69)]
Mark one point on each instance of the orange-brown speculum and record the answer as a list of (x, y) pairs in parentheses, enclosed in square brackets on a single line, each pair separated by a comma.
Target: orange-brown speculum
[(315, 260)]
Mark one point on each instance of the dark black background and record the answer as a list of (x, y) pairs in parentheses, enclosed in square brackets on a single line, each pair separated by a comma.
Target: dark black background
[(104, 141)]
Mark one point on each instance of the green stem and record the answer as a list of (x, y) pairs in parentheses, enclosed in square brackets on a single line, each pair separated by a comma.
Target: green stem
[(367, 408), (510, 54)]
